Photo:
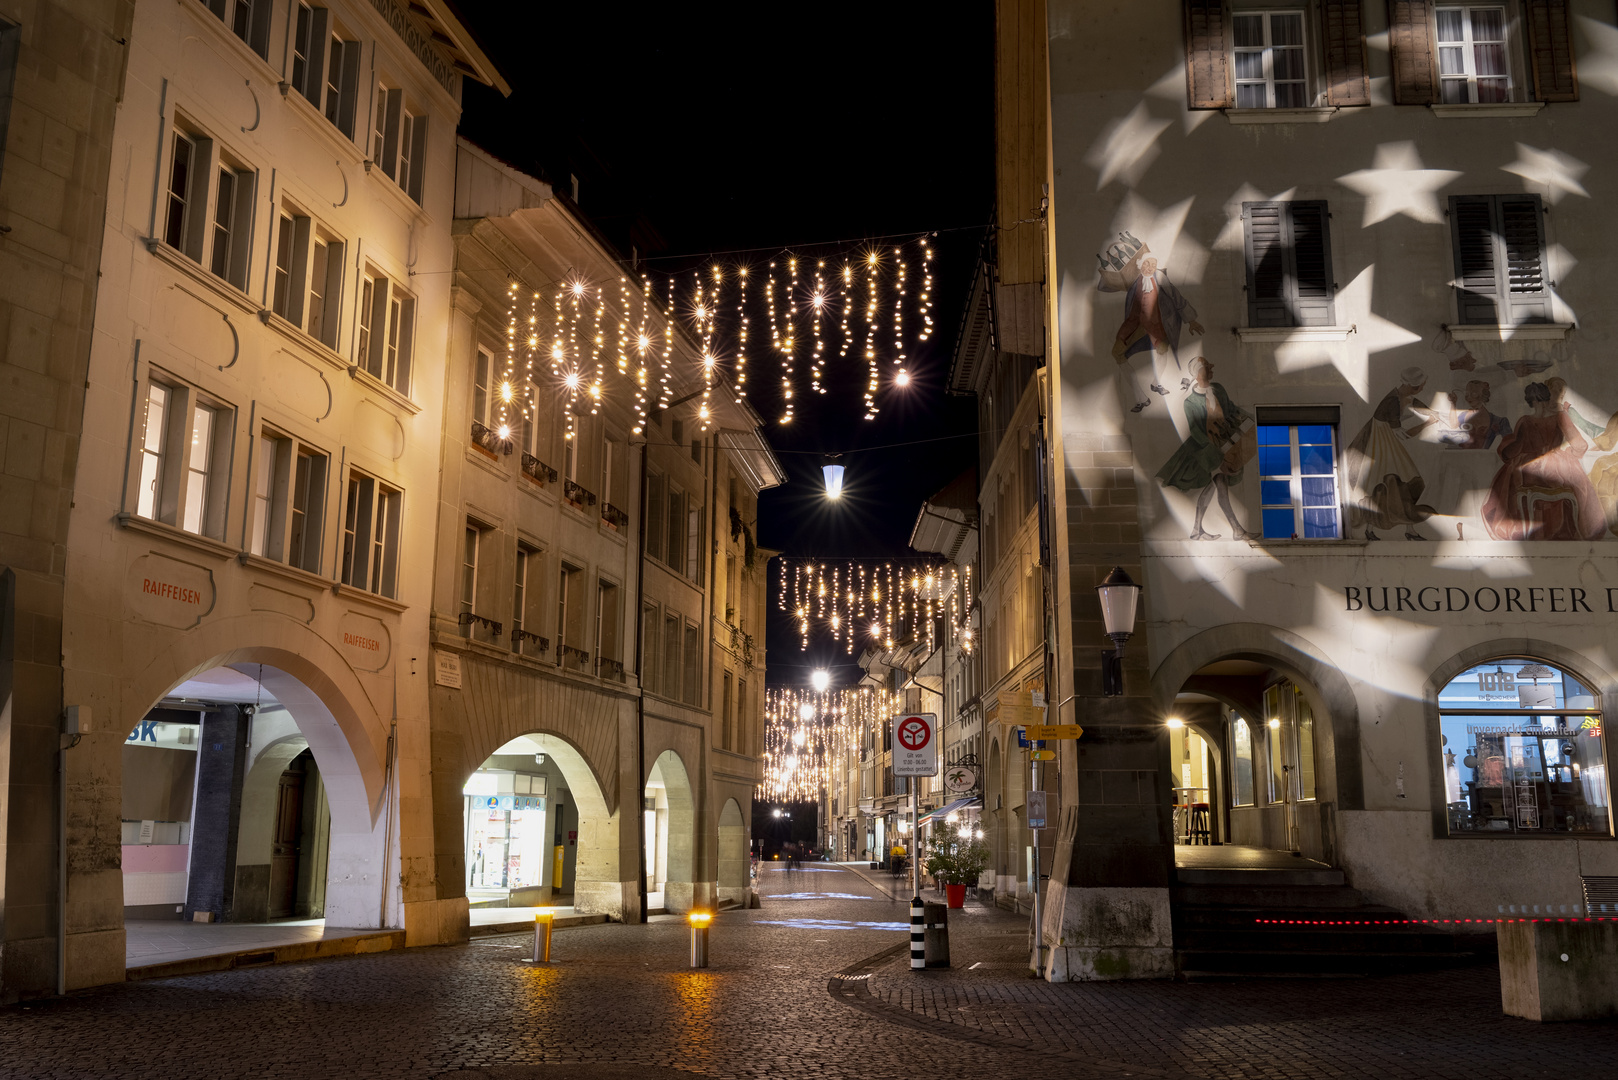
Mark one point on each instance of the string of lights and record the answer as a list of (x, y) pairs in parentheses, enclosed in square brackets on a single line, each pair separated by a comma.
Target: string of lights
[(594, 320), (806, 730), (876, 603)]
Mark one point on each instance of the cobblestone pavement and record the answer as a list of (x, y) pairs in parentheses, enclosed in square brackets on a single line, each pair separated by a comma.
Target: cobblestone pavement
[(784, 997)]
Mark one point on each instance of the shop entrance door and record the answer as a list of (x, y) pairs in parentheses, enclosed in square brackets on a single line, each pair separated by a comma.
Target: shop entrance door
[(1290, 732), (284, 846)]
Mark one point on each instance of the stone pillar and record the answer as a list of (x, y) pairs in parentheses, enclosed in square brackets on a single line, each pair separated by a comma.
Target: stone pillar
[(216, 814)]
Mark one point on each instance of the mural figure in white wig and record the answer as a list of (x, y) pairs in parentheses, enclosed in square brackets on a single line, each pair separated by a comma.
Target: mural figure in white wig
[(1155, 315)]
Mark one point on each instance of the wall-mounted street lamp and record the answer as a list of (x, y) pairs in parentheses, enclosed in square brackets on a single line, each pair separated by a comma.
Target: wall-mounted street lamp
[(1119, 598), (820, 679)]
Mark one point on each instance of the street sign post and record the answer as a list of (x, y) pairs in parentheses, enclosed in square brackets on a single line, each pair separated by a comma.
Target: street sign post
[(915, 753)]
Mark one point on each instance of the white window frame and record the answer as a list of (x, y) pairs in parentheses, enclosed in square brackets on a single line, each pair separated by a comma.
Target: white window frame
[(373, 511), (471, 571), (184, 474), (482, 386), (523, 600), (1467, 47), (398, 138), (384, 344), (199, 218), (247, 19), (1267, 50), (289, 500), (303, 291)]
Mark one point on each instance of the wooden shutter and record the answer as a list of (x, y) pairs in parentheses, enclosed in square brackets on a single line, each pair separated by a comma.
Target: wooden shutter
[(1343, 31), (314, 68), (1289, 271), (1550, 46), (1499, 249), (1410, 36), (1207, 55), (1314, 291), (1265, 229)]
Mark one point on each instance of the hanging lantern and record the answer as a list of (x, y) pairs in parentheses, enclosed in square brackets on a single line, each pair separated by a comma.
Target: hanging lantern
[(834, 481)]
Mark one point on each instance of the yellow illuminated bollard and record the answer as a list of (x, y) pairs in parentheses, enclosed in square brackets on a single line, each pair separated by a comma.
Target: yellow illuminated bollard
[(699, 921), (542, 936)]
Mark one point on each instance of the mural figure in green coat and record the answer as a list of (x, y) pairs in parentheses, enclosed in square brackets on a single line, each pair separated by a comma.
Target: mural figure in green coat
[(1219, 442)]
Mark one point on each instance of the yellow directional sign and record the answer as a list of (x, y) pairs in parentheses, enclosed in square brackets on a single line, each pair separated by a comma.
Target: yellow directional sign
[(1019, 714), (1054, 731), (1042, 755)]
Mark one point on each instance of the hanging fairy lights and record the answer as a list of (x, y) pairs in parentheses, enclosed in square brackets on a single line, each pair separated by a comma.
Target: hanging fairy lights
[(806, 732), (825, 316), (876, 604)]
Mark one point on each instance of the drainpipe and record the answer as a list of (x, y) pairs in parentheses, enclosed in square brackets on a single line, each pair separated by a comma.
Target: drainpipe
[(640, 698)]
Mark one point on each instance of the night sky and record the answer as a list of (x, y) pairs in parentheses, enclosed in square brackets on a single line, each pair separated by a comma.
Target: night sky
[(762, 128)]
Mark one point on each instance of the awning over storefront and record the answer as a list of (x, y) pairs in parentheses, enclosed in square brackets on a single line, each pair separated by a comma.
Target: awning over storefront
[(950, 808)]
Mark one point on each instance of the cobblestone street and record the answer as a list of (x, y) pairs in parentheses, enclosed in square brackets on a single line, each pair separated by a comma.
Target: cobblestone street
[(784, 997)]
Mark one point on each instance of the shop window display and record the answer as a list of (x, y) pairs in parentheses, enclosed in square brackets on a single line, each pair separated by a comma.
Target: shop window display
[(1522, 752)]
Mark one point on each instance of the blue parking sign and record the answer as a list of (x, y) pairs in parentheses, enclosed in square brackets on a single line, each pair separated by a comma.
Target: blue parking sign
[(1024, 744)]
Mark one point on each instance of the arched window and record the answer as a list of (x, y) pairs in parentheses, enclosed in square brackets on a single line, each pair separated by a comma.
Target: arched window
[(1522, 752)]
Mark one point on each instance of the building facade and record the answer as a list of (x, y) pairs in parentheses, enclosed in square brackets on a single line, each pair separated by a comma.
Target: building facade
[(60, 83), (1322, 285), (602, 600)]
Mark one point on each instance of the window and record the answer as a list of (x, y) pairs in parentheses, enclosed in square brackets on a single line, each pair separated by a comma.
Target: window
[(693, 541), (387, 328), (1297, 457), (649, 654), (656, 506), (1269, 60), (398, 141), (674, 541), (520, 599), (9, 35), (669, 683), (726, 730), (342, 79), (1521, 751), (1499, 248), (1472, 55), (480, 387), (696, 450), (307, 288), (693, 664), (208, 206), (608, 461), (308, 35), (248, 20), (471, 544), (371, 535), (740, 745), (1242, 752), (1289, 273), (570, 616), (289, 499), (232, 238), (185, 446), (606, 646)]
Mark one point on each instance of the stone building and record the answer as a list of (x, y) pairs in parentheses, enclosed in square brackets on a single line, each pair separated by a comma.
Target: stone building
[(600, 603), (248, 561), (60, 83), (1323, 290)]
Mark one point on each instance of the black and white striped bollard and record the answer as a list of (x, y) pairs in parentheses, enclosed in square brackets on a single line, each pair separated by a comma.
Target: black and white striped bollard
[(918, 934)]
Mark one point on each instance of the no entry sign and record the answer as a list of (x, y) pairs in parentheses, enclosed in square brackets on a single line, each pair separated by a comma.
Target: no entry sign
[(915, 744)]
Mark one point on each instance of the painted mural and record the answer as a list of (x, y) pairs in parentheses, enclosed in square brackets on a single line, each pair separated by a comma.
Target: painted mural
[(1506, 450)]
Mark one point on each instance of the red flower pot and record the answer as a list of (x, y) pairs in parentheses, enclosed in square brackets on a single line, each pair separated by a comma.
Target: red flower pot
[(956, 894)]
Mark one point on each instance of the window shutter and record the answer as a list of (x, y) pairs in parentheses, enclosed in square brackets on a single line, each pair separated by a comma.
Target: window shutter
[(1472, 235), (1265, 229), (1550, 46), (1410, 37), (1207, 57), (1522, 257), (1343, 27), (314, 71), (350, 91), (1314, 291)]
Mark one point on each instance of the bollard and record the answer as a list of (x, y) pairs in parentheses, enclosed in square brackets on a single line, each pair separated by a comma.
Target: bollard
[(937, 935), (918, 935), (699, 937), (543, 923)]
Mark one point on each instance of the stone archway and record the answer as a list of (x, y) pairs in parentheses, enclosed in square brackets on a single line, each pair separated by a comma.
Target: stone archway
[(734, 881), (670, 831)]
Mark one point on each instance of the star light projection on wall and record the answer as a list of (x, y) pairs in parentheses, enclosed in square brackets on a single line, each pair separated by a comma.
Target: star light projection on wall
[(821, 320), (877, 604), (805, 732)]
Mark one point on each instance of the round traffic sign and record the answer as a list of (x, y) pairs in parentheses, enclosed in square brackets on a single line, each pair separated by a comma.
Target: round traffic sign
[(914, 733)]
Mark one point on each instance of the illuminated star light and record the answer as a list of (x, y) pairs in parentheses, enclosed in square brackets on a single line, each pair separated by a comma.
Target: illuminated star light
[(1558, 172), (1398, 184)]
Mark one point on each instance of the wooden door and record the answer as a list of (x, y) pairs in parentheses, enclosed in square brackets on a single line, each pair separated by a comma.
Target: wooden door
[(284, 846)]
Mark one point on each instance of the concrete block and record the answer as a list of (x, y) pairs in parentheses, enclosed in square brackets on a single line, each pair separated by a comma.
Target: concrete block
[(1559, 970), (1106, 934), (95, 959)]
